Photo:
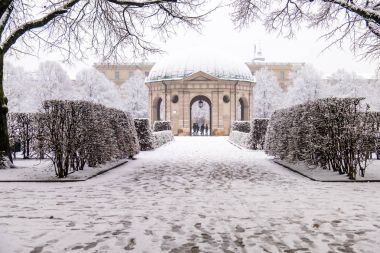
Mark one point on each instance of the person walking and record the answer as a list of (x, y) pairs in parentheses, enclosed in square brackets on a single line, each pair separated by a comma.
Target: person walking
[(202, 129), (206, 129)]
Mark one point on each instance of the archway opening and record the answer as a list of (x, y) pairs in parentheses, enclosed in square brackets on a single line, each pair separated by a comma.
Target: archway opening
[(200, 116), (242, 110), (158, 109)]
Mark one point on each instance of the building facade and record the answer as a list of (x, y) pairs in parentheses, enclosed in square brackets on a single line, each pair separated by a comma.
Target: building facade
[(177, 84), (119, 73)]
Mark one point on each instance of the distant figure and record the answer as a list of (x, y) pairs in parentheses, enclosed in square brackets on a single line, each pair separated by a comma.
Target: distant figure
[(194, 128), (197, 128), (206, 129), (202, 129)]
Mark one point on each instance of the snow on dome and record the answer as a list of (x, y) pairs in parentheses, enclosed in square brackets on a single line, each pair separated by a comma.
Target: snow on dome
[(179, 66)]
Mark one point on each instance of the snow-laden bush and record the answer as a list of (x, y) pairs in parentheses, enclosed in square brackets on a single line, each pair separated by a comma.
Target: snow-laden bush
[(376, 125), (144, 134), (162, 137), (257, 133), (240, 138), (241, 126), (161, 126), (333, 133), (249, 135), (81, 132), (26, 132)]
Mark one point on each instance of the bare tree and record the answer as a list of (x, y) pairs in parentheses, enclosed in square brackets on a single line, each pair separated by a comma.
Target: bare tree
[(77, 27), (357, 22)]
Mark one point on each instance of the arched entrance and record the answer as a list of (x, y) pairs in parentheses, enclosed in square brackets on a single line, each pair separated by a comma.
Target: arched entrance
[(158, 109), (200, 113), (242, 109)]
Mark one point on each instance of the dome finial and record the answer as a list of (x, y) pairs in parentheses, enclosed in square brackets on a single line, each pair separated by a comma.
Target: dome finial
[(258, 54)]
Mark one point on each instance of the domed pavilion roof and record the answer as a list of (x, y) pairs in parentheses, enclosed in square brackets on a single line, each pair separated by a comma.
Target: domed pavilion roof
[(179, 66)]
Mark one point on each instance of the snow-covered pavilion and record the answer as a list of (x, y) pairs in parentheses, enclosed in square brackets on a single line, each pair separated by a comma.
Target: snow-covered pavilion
[(178, 81)]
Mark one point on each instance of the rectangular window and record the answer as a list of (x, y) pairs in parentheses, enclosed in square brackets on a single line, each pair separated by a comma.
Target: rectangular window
[(282, 75), (117, 75)]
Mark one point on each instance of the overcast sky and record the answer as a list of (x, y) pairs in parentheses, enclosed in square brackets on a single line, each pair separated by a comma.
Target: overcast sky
[(220, 35)]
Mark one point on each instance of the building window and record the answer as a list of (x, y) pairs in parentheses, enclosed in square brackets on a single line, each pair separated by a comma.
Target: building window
[(146, 73), (130, 73), (282, 75), (117, 75)]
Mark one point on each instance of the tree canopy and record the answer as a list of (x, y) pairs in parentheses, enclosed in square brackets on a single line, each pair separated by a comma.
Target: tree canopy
[(107, 27), (357, 22)]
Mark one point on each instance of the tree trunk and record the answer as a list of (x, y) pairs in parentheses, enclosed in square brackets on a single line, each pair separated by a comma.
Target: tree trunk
[(4, 138)]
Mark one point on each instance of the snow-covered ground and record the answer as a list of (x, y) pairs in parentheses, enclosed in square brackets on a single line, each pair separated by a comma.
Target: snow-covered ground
[(43, 170), (193, 195)]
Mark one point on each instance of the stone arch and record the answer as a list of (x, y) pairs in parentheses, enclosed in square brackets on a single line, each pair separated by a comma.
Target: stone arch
[(243, 109), (208, 101), (157, 109)]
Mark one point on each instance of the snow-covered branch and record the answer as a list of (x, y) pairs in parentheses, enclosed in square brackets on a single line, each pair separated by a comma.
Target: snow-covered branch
[(355, 21), (40, 22)]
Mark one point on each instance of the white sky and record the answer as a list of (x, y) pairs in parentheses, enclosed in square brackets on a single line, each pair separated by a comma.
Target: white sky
[(220, 35)]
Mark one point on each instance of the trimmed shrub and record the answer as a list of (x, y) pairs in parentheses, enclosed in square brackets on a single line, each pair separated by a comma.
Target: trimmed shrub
[(240, 138), (161, 126), (144, 134), (162, 137), (81, 132), (241, 126), (257, 133), (333, 133), (249, 135)]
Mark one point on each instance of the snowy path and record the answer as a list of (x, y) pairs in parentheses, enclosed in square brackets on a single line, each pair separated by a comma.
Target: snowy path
[(198, 194)]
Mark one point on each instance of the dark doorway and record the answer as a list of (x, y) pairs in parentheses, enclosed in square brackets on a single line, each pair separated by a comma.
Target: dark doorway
[(241, 106), (159, 105)]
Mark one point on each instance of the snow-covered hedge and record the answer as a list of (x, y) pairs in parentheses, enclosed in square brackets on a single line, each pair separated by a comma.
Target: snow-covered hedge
[(144, 134), (240, 138), (81, 132), (333, 133), (241, 126), (249, 135), (257, 133), (162, 137), (161, 126)]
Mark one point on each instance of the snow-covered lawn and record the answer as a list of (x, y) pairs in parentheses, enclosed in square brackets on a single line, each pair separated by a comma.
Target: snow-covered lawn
[(193, 195), (43, 170), (372, 172)]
